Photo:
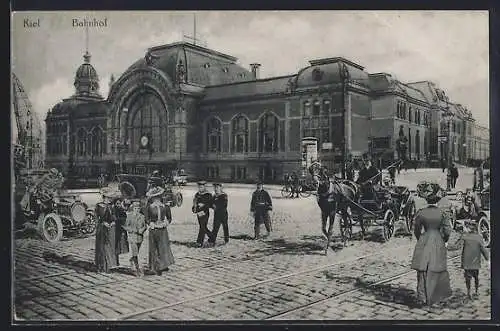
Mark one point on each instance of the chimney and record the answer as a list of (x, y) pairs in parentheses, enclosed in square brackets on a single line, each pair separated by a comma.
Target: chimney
[(255, 70)]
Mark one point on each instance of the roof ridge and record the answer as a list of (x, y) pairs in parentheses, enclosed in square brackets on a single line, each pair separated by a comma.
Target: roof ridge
[(253, 81)]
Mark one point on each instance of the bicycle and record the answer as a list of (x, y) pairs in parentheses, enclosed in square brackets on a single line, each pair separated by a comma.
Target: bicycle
[(286, 191)]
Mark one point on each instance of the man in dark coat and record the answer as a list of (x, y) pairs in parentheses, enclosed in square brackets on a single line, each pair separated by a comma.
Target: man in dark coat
[(201, 207), (369, 178), (121, 238), (260, 206), (454, 175), (295, 184), (219, 205), (158, 218)]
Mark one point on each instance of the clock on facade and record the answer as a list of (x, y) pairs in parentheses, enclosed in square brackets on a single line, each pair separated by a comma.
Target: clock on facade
[(144, 141)]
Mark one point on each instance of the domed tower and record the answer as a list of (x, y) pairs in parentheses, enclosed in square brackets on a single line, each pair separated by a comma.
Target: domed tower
[(87, 80)]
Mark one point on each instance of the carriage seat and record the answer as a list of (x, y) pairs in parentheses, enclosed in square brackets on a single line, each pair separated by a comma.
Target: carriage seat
[(371, 205)]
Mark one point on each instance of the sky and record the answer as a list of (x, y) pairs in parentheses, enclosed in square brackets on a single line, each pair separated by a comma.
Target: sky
[(450, 48)]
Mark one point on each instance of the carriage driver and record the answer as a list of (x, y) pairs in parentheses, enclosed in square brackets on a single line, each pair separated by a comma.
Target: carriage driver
[(369, 179)]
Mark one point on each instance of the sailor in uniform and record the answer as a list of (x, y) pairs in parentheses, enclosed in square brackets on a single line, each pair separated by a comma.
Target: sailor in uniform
[(219, 205), (201, 207)]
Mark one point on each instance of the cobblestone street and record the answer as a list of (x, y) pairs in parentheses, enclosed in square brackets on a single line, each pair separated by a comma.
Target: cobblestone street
[(285, 276)]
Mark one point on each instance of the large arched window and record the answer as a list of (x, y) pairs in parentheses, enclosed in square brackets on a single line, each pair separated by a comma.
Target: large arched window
[(81, 137), (97, 141), (147, 118), (268, 133), (214, 135), (240, 134)]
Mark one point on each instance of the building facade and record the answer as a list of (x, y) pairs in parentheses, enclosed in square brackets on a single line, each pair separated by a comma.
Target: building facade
[(186, 106)]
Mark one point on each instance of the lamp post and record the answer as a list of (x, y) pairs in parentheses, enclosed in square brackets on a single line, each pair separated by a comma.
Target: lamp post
[(344, 74), (447, 118)]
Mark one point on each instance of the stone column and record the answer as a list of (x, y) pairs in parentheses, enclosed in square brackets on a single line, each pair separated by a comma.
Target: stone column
[(287, 132), (348, 122)]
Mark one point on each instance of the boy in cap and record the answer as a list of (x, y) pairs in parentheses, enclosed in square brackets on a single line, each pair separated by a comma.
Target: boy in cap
[(260, 206), (472, 249), (202, 202), (135, 226), (219, 205)]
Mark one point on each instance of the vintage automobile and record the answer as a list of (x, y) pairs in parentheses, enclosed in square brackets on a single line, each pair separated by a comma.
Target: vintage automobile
[(134, 188), (51, 212), (179, 177), (475, 204)]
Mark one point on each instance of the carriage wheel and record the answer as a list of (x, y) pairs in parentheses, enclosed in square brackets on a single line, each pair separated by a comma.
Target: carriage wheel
[(361, 222), (346, 226), (304, 193), (52, 228), (90, 224), (178, 199), (484, 230), (388, 227), (409, 217), (286, 192)]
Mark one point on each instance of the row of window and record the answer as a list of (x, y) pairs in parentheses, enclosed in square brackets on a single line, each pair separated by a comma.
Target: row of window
[(56, 128), (268, 134), (318, 107), (411, 114)]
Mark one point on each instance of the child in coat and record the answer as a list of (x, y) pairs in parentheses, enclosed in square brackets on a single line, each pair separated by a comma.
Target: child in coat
[(135, 226), (472, 249)]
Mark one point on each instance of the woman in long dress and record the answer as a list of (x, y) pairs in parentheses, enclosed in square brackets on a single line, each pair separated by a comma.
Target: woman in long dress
[(430, 255), (158, 218), (105, 249)]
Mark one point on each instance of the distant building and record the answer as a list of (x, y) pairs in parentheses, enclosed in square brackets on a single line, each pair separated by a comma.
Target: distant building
[(187, 106)]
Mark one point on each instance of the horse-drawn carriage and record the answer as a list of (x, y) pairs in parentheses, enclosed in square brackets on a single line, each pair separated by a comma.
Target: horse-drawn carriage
[(43, 206), (380, 208), (134, 188), (475, 205), (361, 205)]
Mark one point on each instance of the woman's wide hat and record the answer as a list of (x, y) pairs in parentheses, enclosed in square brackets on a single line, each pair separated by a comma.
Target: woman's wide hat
[(429, 191), (155, 192)]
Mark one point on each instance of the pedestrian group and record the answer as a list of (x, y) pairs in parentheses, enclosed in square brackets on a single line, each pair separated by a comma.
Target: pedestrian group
[(121, 225)]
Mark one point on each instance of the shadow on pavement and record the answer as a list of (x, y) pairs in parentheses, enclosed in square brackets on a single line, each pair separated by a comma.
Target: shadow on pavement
[(282, 246), (72, 263), (393, 293), (189, 244), (241, 237)]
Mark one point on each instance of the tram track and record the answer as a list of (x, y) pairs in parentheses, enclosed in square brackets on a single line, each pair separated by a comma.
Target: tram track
[(41, 278), (347, 292), (148, 311)]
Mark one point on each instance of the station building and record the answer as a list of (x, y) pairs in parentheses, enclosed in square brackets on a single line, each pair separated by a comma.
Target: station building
[(187, 106)]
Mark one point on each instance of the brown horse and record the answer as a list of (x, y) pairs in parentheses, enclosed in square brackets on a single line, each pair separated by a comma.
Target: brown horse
[(334, 197)]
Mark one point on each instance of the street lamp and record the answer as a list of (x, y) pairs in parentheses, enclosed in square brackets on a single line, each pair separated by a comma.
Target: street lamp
[(345, 76), (447, 118)]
